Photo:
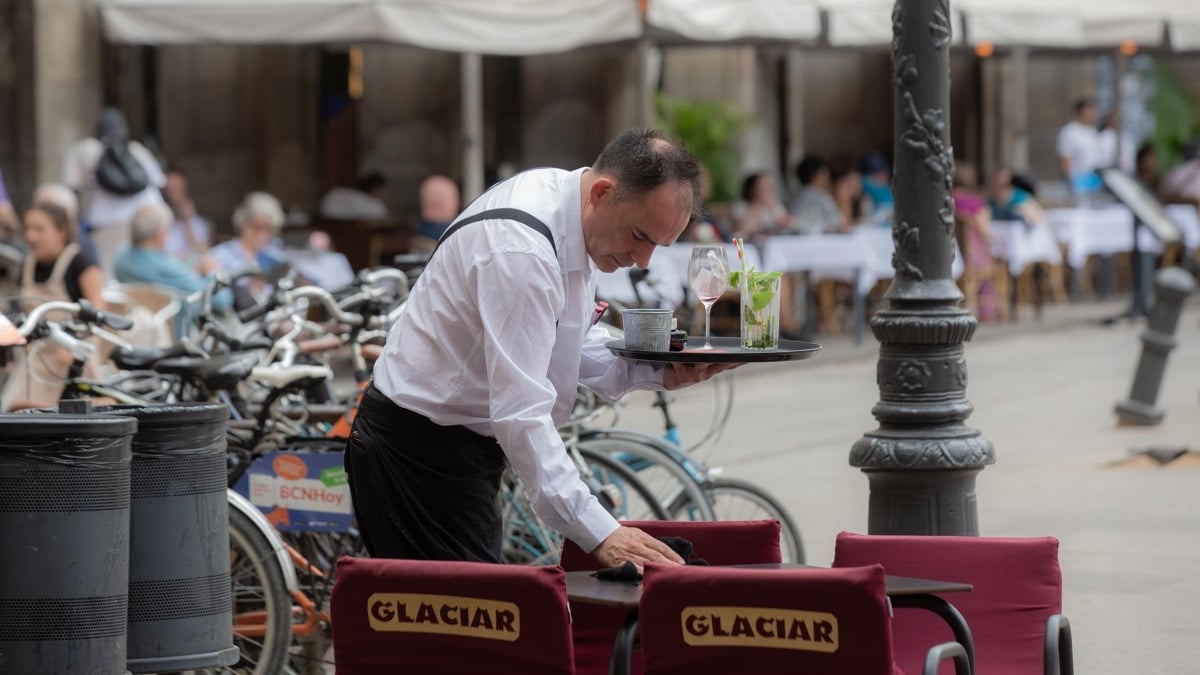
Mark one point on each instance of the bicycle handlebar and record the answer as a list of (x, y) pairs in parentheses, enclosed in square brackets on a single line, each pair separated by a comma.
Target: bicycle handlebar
[(326, 299), (82, 310)]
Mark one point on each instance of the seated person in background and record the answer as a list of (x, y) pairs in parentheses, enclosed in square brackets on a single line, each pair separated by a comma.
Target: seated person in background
[(55, 269), (1009, 202), (703, 229), (1182, 184), (257, 221), (190, 235), (813, 209), (973, 212), (8, 216), (759, 214), (364, 201), (440, 205), (1147, 168), (64, 198), (847, 189), (876, 186), (147, 260)]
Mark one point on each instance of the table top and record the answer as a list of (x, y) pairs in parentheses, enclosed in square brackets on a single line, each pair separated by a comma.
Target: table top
[(586, 588)]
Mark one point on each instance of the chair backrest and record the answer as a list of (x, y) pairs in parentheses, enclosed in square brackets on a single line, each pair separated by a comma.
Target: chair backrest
[(719, 543), (1018, 586), (394, 616), (697, 620)]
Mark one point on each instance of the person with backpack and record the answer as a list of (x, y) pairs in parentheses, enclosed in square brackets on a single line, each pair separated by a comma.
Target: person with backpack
[(115, 177)]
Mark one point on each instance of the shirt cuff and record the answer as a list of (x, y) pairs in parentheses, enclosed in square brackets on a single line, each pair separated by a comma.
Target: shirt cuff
[(592, 526)]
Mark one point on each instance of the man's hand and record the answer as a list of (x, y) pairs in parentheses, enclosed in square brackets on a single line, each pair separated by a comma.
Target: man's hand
[(633, 545), (679, 375)]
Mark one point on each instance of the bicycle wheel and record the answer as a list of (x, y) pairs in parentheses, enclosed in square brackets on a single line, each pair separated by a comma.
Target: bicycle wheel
[(262, 607), (734, 499), (621, 491), (661, 467)]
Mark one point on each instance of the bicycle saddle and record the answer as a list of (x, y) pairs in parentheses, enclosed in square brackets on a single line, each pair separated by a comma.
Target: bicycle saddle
[(141, 358), (224, 371)]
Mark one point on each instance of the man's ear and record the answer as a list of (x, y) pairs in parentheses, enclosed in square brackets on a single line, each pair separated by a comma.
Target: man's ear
[(601, 186)]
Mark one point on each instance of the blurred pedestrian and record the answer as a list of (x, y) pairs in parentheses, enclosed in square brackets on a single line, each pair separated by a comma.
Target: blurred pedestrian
[(115, 176)]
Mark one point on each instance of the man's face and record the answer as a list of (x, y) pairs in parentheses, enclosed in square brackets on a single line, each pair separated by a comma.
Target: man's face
[(1088, 115), (176, 189), (624, 232)]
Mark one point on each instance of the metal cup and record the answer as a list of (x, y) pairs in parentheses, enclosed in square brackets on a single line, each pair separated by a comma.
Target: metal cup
[(647, 329)]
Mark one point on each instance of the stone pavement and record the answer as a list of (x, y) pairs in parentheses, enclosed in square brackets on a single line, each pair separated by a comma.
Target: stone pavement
[(1044, 393)]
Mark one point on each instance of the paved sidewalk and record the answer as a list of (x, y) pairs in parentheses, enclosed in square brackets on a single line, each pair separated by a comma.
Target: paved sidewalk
[(1044, 393)]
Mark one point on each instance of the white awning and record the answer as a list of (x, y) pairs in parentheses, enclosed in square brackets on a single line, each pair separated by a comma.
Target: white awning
[(514, 27), (721, 20), (858, 23)]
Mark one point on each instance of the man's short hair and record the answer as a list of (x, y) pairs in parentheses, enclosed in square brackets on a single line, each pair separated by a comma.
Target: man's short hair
[(640, 160), (149, 221), (1083, 103), (808, 168)]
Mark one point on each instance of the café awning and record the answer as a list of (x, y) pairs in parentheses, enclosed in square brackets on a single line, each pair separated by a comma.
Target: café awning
[(508, 27), (726, 20)]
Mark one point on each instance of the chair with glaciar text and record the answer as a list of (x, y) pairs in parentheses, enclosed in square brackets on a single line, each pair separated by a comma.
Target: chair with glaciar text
[(719, 543), (416, 616), (1014, 611), (705, 621)]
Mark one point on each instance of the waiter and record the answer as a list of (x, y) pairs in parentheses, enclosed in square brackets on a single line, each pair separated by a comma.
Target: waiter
[(485, 362)]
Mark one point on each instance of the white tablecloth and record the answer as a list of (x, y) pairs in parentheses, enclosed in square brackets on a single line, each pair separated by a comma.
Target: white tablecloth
[(1023, 245), (1187, 218), (1099, 231), (838, 256), (880, 239)]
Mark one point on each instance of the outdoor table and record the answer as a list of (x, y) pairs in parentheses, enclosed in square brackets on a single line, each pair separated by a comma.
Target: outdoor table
[(584, 587), (1023, 245), (846, 256), (1187, 218)]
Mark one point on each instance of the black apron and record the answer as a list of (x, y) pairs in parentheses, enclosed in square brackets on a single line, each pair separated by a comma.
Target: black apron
[(423, 491)]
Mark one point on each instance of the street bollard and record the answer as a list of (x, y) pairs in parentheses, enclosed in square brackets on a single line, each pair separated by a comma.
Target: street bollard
[(64, 524), (1171, 287)]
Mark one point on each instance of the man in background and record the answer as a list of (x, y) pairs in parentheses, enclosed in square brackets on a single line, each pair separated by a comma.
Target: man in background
[(439, 206)]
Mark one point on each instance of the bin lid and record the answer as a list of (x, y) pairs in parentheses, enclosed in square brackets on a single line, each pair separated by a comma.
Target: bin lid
[(173, 414), (23, 425)]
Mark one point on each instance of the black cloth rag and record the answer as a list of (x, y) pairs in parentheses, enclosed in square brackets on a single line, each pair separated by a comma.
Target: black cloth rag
[(628, 572)]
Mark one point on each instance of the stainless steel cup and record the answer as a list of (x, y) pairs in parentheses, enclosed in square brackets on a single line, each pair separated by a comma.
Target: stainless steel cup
[(647, 329)]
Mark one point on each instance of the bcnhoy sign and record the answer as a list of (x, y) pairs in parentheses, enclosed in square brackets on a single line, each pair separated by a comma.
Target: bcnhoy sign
[(300, 491)]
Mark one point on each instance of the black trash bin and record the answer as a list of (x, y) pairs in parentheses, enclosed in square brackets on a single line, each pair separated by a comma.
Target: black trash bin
[(180, 605), (64, 543)]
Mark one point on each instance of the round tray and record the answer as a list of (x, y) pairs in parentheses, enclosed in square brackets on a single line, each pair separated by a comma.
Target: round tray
[(725, 350)]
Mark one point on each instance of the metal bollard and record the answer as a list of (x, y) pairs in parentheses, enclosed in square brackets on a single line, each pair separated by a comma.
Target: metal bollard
[(1171, 287)]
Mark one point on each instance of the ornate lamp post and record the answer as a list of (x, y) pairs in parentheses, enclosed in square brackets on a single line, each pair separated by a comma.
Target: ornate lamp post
[(922, 461)]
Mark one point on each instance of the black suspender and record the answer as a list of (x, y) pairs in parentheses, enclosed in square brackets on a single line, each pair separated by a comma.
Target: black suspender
[(523, 217)]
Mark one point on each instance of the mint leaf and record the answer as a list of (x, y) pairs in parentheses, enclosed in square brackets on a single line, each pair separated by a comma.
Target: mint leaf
[(761, 299)]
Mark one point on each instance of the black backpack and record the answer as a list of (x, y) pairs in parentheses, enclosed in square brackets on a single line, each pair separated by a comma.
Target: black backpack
[(119, 172)]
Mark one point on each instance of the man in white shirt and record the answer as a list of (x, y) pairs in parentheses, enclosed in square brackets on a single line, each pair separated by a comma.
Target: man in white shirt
[(486, 360), (1079, 149)]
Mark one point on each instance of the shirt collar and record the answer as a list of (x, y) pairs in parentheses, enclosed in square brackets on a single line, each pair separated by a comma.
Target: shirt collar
[(575, 257)]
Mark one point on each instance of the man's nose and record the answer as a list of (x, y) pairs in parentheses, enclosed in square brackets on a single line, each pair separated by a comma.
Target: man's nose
[(642, 253)]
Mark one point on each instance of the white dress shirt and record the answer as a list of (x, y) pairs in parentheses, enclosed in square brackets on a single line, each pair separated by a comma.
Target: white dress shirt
[(498, 334), (1080, 143)]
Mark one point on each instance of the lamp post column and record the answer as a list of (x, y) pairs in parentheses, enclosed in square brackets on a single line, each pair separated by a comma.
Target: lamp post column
[(922, 460)]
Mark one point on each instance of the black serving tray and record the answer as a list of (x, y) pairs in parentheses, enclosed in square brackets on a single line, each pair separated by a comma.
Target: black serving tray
[(725, 350)]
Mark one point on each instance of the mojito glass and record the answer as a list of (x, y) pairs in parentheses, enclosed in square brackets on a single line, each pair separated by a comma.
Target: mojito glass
[(760, 309)]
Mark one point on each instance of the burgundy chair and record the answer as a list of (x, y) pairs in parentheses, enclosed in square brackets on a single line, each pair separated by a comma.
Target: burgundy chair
[(409, 616), (720, 543), (1014, 612), (700, 621)]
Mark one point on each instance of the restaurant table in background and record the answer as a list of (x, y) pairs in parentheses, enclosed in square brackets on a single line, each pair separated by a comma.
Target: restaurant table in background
[(1187, 218), (327, 269), (584, 587), (1023, 245)]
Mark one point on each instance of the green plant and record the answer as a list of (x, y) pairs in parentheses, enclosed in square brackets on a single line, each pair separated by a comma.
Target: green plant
[(707, 128), (1176, 119)]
